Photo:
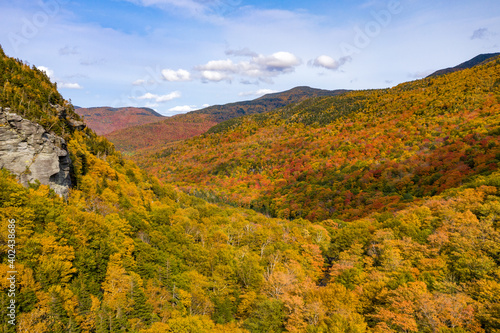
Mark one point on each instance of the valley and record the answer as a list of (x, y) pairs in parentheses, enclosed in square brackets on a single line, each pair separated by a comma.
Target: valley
[(345, 211)]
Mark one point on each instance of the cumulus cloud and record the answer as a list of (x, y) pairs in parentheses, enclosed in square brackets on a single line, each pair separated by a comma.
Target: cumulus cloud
[(259, 92), (160, 98), (69, 85), (214, 76), (279, 61), (258, 66), (183, 108), (178, 75), (328, 62), (48, 71), (220, 66), (480, 33)]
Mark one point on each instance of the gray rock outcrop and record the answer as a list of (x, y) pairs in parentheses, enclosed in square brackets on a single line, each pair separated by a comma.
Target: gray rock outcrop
[(30, 152)]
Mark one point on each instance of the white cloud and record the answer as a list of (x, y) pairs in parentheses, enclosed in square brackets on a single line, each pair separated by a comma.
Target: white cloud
[(219, 65), (183, 108), (328, 62), (259, 66), (178, 75), (259, 92), (69, 85), (214, 76), (148, 96), (160, 98), (168, 97), (278, 61), (48, 71)]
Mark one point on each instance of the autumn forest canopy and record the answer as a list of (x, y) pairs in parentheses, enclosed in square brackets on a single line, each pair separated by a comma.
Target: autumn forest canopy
[(370, 211)]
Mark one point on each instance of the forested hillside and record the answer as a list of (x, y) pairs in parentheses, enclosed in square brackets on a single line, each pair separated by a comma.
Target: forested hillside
[(268, 102), (30, 92), (477, 60), (349, 155), (104, 120), (126, 253), (157, 135)]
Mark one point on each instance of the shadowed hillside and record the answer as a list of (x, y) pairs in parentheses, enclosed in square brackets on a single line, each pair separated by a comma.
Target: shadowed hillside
[(104, 120), (468, 64), (155, 135), (265, 103)]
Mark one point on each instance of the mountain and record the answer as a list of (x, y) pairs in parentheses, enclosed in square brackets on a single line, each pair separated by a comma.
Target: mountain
[(160, 133), (104, 120), (265, 103), (477, 60), (346, 156), (155, 135), (124, 252)]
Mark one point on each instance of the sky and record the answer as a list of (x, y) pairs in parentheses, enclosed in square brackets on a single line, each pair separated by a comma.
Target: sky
[(180, 55)]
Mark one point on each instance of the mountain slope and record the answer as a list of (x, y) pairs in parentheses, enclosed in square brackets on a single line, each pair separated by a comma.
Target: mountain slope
[(104, 120), (125, 253), (155, 135), (477, 60), (349, 155), (160, 133), (265, 103)]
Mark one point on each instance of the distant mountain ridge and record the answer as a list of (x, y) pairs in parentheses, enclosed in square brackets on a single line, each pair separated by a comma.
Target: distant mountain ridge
[(160, 133), (346, 156), (104, 120), (185, 126), (477, 60), (265, 103), (403, 185), (132, 129)]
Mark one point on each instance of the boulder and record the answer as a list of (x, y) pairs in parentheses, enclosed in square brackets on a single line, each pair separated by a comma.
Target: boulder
[(32, 153)]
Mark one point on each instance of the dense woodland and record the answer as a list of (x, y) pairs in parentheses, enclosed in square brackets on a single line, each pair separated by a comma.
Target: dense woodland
[(104, 120), (160, 134), (350, 155), (128, 253)]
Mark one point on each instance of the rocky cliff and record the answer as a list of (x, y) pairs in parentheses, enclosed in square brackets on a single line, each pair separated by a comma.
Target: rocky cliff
[(32, 153)]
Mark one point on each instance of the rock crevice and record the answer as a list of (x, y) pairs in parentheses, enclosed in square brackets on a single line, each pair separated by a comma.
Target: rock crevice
[(32, 153)]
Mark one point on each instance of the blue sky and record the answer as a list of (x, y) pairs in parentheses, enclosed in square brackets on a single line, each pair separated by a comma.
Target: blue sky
[(180, 55)]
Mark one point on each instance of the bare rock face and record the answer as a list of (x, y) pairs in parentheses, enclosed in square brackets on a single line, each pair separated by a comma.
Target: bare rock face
[(30, 152)]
